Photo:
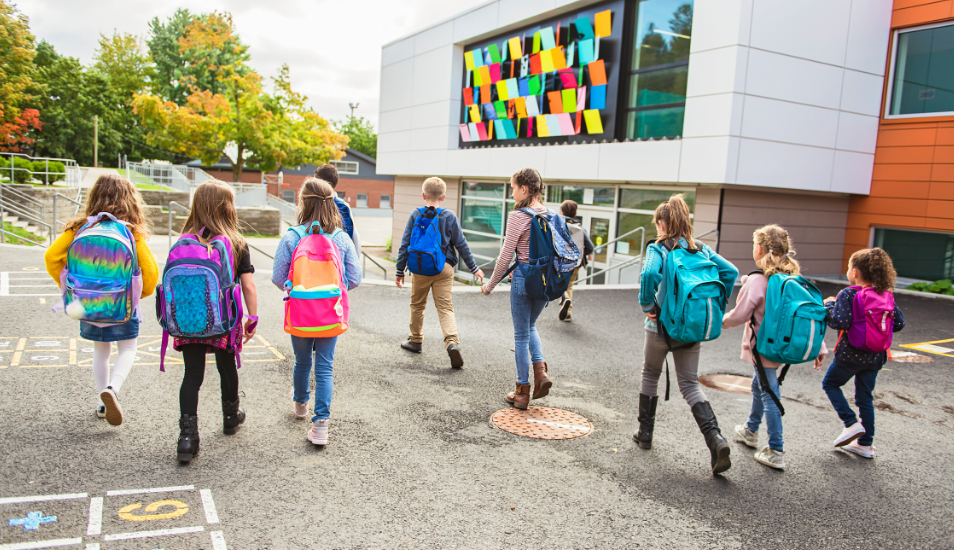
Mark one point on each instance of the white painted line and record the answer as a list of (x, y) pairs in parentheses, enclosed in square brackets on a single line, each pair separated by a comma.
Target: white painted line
[(218, 541), (92, 546), (157, 533), (41, 498), (933, 349), (145, 491), (4, 283), (41, 544), (558, 425), (211, 515), (33, 286), (95, 517)]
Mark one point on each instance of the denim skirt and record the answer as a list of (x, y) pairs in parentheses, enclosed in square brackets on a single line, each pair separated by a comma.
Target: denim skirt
[(112, 333)]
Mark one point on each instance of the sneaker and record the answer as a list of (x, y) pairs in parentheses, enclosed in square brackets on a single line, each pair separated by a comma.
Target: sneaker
[(850, 434), (114, 413), (301, 409), (565, 310), (101, 411), (453, 351), (771, 458), (744, 435), (319, 432), (411, 346), (569, 317), (860, 450)]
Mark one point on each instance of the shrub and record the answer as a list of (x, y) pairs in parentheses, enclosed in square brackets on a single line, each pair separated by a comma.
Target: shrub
[(944, 286), (387, 243), (54, 168), (23, 170)]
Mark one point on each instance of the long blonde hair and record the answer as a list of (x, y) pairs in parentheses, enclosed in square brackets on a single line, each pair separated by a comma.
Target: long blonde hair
[(778, 251), (675, 214), (317, 204), (213, 209), (114, 194)]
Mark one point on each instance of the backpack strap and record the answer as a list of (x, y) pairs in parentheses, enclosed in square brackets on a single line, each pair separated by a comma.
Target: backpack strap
[(299, 230), (763, 378)]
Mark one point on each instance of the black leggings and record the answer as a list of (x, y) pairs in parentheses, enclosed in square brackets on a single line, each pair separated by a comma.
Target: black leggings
[(194, 357)]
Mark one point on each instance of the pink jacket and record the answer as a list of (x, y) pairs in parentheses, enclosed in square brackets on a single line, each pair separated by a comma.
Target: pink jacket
[(751, 300)]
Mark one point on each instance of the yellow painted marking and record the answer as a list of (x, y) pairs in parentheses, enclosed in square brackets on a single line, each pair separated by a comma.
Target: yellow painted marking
[(72, 351), (40, 366), (42, 300), (31, 269), (931, 347), (180, 508), (278, 355), (16, 356), (262, 339)]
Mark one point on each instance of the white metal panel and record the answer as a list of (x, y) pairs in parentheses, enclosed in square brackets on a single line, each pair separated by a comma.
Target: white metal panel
[(397, 83), (434, 37), (868, 35), (784, 165), (857, 133), (789, 122), (390, 163), (852, 172), (809, 29), (427, 163), (429, 139), (515, 11), (720, 23), (801, 81), (504, 162), (394, 141), (476, 23), (709, 160), (399, 51), (653, 161), (438, 113), (713, 115), (432, 76), (717, 71), (572, 162), (394, 121), (468, 162), (862, 93)]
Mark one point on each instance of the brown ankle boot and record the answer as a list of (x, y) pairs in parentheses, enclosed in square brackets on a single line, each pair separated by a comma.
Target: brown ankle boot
[(520, 398), (541, 381)]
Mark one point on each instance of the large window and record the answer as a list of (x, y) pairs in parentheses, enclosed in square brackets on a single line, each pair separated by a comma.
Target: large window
[(659, 69), (636, 209), (483, 217), (346, 167), (922, 81), (918, 254)]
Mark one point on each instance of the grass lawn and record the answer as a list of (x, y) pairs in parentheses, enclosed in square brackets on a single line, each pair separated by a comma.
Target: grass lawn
[(152, 187), (9, 239)]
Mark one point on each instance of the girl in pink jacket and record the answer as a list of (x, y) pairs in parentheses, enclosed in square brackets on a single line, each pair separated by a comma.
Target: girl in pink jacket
[(773, 253)]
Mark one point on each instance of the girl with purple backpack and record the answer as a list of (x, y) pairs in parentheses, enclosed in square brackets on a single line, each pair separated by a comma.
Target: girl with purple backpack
[(866, 316), (213, 217)]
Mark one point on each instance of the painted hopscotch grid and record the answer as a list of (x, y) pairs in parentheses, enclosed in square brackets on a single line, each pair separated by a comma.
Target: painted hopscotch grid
[(111, 519)]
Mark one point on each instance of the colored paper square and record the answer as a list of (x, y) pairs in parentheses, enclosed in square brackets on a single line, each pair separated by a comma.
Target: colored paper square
[(597, 72), (490, 129), (474, 136), (468, 96), (490, 113), (475, 113), (593, 123), (513, 90), (469, 60), (586, 51), (524, 66), (485, 94), (510, 127), (484, 73), (533, 107), (464, 133), (546, 61), (570, 54), (579, 120), (534, 85), (604, 23), (580, 99), (498, 126), (535, 67), (503, 51), (516, 51), (478, 57), (494, 53), (529, 127), (567, 78), (566, 124), (542, 127), (556, 102), (482, 131), (569, 100), (478, 82), (523, 86), (536, 42), (502, 90), (598, 97), (553, 125), (494, 73), (546, 38), (501, 108), (583, 27), (520, 104), (559, 60), (476, 95)]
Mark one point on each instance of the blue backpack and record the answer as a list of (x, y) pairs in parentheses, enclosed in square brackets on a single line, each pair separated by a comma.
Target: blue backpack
[(425, 253), (793, 328), (691, 297), (553, 256)]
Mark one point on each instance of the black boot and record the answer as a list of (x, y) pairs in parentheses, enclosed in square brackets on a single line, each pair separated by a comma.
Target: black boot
[(188, 438), (718, 446), (647, 419), (232, 416)]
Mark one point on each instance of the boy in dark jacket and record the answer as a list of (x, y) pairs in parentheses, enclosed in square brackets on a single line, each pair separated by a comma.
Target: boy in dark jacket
[(329, 173), (583, 242), (452, 242)]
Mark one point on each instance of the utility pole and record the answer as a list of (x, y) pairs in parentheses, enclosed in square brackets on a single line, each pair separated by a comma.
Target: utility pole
[(95, 141), (353, 107)]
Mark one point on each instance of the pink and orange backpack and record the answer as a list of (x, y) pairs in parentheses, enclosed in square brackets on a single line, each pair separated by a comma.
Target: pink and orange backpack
[(316, 295)]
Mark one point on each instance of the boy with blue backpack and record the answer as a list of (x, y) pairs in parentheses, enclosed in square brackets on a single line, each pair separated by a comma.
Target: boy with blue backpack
[(429, 248), (329, 173)]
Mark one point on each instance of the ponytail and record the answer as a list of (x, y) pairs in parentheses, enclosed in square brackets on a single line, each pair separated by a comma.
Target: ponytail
[(675, 214), (779, 253), (533, 181)]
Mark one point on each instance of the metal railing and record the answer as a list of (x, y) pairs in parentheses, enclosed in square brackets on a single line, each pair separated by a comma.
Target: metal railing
[(55, 218), (187, 211), (250, 194), (639, 258), (72, 175), (8, 208), (157, 174), (288, 210), (364, 264)]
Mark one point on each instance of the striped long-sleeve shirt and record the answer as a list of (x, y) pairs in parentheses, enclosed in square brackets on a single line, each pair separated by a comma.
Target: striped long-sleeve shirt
[(516, 242)]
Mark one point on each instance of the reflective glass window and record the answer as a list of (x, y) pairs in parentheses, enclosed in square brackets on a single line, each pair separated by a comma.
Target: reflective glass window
[(663, 30), (483, 216), (924, 72)]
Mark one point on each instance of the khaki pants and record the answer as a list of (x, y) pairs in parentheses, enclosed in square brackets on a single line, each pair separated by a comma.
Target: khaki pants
[(569, 289), (442, 284)]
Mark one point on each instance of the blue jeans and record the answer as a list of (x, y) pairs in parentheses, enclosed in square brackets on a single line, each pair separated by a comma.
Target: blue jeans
[(323, 350), (525, 311), (762, 404), (836, 377)]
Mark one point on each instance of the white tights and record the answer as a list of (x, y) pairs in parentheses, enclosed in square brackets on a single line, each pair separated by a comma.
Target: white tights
[(124, 362)]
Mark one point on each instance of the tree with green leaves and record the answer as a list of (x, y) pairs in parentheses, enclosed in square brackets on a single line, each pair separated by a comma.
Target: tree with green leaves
[(17, 73), (361, 135)]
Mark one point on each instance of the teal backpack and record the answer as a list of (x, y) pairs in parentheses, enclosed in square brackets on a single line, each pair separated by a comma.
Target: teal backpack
[(793, 328), (691, 297)]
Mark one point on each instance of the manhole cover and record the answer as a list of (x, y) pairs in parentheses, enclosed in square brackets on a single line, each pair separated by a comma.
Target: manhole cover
[(910, 357), (727, 382), (542, 423)]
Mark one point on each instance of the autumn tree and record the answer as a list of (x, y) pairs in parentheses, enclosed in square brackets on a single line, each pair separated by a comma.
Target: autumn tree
[(361, 135), (17, 73)]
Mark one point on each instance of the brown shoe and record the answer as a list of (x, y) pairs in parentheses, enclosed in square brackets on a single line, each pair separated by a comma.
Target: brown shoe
[(541, 381), (520, 398)]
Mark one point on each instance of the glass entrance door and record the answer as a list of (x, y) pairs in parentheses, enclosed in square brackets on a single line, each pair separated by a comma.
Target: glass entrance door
[(598, 225)]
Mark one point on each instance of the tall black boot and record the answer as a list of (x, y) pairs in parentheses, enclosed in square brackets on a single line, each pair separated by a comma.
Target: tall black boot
[(647, 420), (188, 438), (232, 416), (718, 446)]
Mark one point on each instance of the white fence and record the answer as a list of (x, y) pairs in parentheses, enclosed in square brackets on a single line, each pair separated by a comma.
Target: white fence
[(40, 169), (289, 211), (187, 178)]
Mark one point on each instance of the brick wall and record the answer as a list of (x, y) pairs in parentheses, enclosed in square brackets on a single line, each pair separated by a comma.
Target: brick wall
[(349, 186)]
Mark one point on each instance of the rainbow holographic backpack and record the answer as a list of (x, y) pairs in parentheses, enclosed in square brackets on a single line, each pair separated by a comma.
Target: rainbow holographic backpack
[(102, 282)]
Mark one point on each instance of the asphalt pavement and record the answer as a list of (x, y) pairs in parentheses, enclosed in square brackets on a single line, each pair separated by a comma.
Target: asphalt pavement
[(413, 460)]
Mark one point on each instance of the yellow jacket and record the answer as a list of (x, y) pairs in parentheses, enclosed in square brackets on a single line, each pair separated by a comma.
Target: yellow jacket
[(56, 258)]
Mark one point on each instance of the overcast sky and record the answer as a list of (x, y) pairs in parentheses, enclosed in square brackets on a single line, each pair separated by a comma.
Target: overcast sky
[(332, 47)]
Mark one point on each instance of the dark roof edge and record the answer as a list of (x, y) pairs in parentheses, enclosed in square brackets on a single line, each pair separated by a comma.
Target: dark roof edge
[(361, 156)]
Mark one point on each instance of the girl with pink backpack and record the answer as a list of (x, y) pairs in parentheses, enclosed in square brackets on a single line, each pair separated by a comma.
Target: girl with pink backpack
[(866, 317), (316, 265)]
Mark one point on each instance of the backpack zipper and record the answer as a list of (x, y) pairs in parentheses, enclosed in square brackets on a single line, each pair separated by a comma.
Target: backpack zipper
[(884, 318), (811, 342), (708, 317)]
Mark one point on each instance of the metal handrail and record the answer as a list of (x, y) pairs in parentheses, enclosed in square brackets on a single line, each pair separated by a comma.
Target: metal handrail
[(70, 165), (598, 249), (20, 237), (627, 263), (718, 237), (364, 263), (55, 220), (8, 187), (12, 207)]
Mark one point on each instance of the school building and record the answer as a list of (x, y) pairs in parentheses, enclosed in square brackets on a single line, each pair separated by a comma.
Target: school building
[(761, 112)]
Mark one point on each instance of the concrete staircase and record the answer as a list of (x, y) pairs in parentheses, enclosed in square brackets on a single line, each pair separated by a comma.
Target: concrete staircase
[(23, 224)]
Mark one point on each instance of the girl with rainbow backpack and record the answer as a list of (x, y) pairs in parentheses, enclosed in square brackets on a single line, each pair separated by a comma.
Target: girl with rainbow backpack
[(316, 265), (104, 266)]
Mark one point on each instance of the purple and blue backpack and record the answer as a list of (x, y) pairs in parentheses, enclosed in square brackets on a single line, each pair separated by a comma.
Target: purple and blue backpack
[(198, 296), (872, 320)]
